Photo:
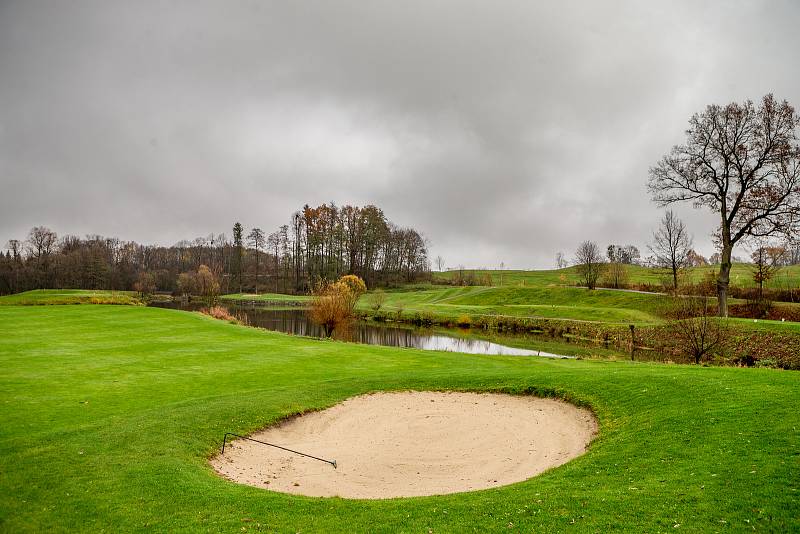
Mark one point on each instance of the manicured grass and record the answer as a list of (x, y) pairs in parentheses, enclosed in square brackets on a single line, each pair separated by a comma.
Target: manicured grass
[(69, 296), (551, 302), (109, 414), (764, 325), (741, 275), (266, 297), (606, 306)]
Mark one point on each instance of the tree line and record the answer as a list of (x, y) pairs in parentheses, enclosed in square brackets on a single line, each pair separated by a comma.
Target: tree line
[(319, 244)]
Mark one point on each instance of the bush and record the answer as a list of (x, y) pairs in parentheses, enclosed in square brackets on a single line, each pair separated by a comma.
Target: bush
[(334, 304), (766, 362), (222, 313), (377, 299), (464, 321)]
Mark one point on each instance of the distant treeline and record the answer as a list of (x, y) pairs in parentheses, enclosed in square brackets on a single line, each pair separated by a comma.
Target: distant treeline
[(319, 244)]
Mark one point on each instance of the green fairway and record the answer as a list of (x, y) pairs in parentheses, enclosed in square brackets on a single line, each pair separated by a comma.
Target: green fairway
[(741, 276), (68, 296), (551, 302), (110, 412)]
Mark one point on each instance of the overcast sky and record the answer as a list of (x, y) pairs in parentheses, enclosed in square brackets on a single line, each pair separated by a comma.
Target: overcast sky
[(503, 131)]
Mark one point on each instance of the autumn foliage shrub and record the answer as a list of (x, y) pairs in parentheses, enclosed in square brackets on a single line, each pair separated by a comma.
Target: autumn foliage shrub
[(464, 321), (333, 304), (223, 314)]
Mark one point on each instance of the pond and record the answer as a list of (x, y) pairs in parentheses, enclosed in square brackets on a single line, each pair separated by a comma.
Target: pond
[(295, 321)]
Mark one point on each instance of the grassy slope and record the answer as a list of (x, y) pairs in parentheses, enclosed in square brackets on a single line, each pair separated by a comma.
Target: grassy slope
[(68, 296), (741, 275), (109, 413), (552, 302)]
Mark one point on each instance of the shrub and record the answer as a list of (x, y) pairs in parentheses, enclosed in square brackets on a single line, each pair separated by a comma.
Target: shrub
[(697, 333), (377, 299), (219, 312), (464, 321), (334, 304), (766, 362), (145, 284)]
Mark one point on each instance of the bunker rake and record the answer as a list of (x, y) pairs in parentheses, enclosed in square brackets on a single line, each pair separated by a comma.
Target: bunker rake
[(225, 440)]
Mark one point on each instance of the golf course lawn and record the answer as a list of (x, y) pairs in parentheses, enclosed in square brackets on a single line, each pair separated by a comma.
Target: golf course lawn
[(741, 275), (569, 303), (38, 297), (558, 303), (110, 412)]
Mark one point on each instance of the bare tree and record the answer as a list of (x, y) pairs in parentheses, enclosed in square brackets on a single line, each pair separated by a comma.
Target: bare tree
[(145, 284), (616, 275), (561, 260), (589, 263), (695, 330), (15, 246), (238, 253), (256, 240), (766, 263), (671, 246), (41, 244), (628, 254), (695, 259), (440, 263), (743, 163), (793, 251)]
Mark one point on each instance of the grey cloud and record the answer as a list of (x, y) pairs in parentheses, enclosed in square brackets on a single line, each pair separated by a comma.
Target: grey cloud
[(505, 131)]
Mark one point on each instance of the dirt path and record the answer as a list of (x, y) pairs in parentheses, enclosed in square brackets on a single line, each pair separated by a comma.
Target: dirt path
[(411, 444)]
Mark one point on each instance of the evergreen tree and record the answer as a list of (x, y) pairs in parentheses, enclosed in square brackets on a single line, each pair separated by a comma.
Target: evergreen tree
[(238, 253)]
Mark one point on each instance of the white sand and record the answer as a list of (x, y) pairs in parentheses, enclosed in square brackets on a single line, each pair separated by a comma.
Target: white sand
[(412, 443)]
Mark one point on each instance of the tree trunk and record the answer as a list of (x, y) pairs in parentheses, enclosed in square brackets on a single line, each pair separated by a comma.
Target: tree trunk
[(723, 280), (675, 279)]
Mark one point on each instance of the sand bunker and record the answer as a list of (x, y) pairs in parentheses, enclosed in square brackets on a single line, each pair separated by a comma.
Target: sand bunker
[(411, 444)]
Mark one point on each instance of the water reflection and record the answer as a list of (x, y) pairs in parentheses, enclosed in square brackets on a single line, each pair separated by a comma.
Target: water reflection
[(295, 321)]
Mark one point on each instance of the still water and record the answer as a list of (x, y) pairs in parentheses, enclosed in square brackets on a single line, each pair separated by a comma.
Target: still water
[(295, 321)]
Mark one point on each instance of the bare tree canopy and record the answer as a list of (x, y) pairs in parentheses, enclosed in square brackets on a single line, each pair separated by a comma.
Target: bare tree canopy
[(589, 263), (695, 332), (672, 246), (766, 263), (742, 162)]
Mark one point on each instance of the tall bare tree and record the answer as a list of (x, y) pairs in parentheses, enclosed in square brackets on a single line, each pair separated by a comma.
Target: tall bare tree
[(15, 246), (41, 244), (672, 246), (256, 240), (589, 263), (439, 263), (238, 253), (742, 162)]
